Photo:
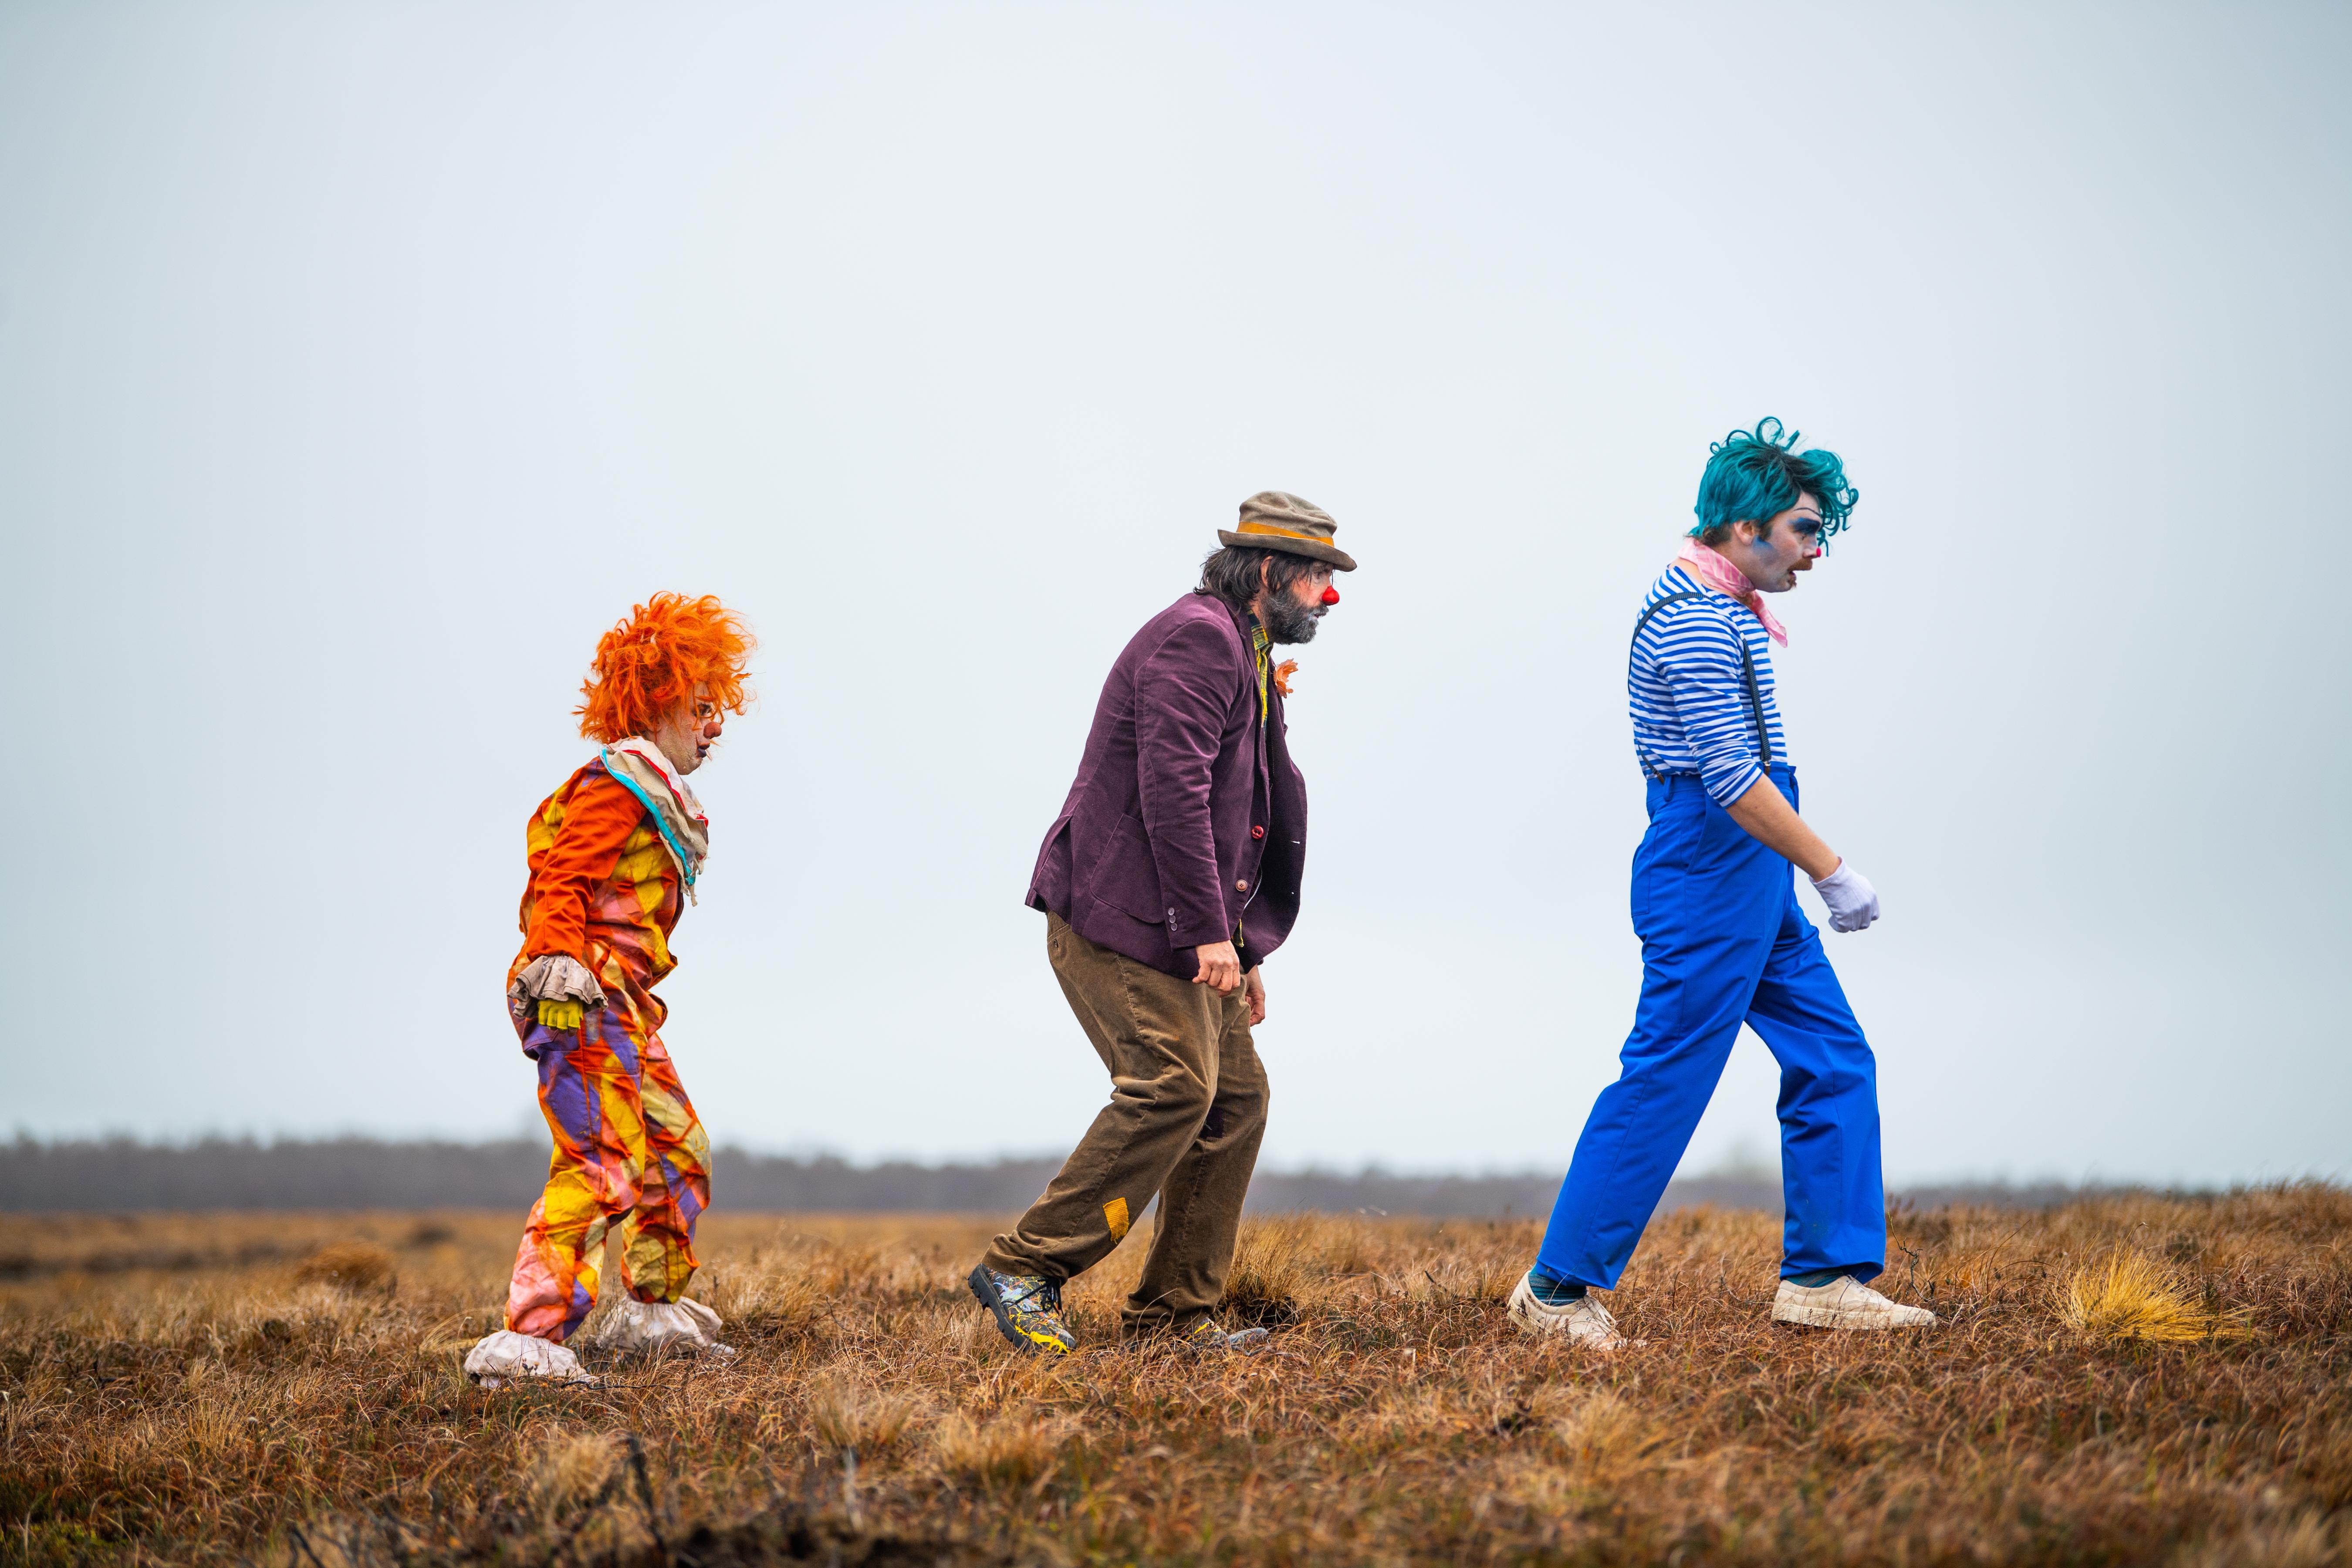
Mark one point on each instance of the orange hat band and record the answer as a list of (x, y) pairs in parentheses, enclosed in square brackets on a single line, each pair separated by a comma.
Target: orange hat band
[(1280, 533)]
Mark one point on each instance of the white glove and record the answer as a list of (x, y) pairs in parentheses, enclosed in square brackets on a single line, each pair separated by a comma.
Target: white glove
[(554, 977), (1853, 901)]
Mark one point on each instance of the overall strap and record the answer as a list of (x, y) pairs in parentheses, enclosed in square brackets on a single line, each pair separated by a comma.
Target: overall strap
[(1747, 664)]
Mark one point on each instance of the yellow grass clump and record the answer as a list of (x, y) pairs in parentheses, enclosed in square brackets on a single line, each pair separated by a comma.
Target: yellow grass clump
[(2128, 1296)]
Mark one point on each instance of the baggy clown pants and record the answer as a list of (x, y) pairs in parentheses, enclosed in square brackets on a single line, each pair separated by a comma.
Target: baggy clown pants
[(627, 1149), (1723, 942)]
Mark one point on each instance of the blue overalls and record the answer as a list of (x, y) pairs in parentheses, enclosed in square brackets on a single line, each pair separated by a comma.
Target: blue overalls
[(1724, 942)]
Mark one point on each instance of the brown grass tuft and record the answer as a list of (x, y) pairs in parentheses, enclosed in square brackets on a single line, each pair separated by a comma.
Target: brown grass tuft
[(1004, 1455), (2309, 1541), (1263, 1285), (348, 1265), (1606, 1437), (571, 1466), (2128, 1296), (856, 1415)]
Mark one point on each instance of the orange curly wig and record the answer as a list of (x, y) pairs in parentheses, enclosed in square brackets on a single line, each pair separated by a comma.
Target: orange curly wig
[(648, 664)]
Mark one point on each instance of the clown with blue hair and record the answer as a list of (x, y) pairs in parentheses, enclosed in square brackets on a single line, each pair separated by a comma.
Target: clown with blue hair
[(1724, 940)]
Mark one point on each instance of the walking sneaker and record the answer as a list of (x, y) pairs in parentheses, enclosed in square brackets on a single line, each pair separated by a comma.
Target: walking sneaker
[(1027, 1306), (684, 1324), (1206, 1335), (1845, 1302), (505, 1357), (1582, 1320)]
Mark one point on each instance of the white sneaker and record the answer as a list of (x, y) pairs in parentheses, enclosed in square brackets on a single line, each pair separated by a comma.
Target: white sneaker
[(505, 1357), (1845, 1302), (682, 1324), (1583, 1322)]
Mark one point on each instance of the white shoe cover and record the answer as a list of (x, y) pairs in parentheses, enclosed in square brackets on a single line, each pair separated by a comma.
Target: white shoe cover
[(682, 1324), (508, 1357), (1845, 1302), (1583, 1322)]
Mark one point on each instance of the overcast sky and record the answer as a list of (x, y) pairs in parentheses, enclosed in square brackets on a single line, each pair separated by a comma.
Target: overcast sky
[(359, 365)]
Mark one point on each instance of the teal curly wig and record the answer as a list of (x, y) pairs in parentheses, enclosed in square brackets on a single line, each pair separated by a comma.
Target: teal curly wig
[(1758, 474)]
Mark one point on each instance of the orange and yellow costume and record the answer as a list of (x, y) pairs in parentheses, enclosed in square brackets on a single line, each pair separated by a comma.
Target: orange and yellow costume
[(612, 854)]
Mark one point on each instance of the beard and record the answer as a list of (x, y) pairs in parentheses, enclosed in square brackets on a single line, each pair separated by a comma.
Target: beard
[(1288, 621)]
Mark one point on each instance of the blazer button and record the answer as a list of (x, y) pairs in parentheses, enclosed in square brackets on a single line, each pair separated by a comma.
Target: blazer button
[(1241, 887), (1257, 833)]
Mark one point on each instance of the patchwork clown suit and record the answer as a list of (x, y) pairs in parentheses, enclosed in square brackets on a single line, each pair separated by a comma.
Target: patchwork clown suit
[(612, 852)]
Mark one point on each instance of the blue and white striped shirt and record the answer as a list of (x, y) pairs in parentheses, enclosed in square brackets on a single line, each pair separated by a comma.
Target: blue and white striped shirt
[(1688, 694)]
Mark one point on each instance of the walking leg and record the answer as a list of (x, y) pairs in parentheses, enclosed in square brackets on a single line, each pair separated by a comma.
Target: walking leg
[(1641, 1123), (658, 1234), (1829, 1174), (589, 1097), (1200, 1202), (1158, 1035), (1707, 900)]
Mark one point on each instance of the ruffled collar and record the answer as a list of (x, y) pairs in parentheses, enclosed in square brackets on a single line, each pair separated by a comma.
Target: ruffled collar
[(685, 827)]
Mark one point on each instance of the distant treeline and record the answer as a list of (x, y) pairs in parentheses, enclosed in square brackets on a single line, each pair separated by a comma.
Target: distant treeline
[(119, 1175)]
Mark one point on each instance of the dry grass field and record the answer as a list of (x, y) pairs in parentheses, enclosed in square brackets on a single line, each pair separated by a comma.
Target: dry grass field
[(2128, 1379)]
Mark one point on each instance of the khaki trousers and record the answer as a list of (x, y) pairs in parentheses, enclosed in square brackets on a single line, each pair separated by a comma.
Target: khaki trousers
[(1187, 1110)]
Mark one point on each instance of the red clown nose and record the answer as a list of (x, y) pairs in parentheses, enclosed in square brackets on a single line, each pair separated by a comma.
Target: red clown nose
[(1331, 595)]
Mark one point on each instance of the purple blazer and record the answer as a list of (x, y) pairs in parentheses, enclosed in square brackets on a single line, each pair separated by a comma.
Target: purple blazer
[(1187, 819)]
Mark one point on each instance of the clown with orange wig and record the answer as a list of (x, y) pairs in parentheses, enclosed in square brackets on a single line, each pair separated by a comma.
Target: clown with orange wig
[(612, 854)]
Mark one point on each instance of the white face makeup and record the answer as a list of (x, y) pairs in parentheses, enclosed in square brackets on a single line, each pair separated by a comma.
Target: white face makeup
[(687, 733), (1772, 557)]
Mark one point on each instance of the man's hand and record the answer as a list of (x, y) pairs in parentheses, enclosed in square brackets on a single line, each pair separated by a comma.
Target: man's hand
[(1853, 901), (1221, 966), (556, 1014), (1258, 995)]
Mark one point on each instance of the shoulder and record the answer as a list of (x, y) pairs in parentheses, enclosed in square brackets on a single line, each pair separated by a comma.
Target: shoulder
[(1701, 627), (591, 804), (596, 791), (1678, 603), (1195, 629), (592, 777), (561, 796)]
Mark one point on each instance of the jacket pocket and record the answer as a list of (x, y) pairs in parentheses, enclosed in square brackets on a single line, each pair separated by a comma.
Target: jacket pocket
[(1125, 878)]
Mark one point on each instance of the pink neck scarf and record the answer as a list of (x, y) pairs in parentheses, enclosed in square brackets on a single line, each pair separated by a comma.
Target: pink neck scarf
[(1716, 572)]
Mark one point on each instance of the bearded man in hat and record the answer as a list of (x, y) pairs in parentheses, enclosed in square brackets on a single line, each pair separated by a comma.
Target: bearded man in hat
[(1169, 877)]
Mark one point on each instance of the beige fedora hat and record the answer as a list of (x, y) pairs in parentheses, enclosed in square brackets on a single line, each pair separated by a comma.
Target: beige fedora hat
[(1276, 520)]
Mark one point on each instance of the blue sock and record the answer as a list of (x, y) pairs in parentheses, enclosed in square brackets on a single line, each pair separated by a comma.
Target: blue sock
[(1551, 1292), (1817, 1278)]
